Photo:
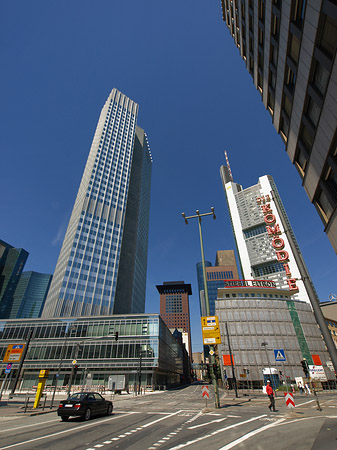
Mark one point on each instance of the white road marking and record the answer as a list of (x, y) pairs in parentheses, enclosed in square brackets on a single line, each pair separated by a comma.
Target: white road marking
[(107, 442), (207, 423), (98, 445), (69, 430), (249, 435), (301, 404), (159, 420), (206, 436), (234, 417), (27, 426)]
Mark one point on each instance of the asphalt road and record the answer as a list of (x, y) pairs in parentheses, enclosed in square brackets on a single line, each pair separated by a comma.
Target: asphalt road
[(180, 420)]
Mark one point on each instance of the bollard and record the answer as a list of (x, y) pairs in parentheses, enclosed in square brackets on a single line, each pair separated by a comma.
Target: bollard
[(26, 403), (44, 403)]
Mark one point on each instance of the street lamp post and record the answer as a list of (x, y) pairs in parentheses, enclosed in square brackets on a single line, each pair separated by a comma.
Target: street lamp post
[(199, 216), (72, 327), (264, 344)]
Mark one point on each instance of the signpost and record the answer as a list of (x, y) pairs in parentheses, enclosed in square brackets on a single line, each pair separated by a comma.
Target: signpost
[(289, 398), (210, 330), (281, 357), (205, 393), (13, 353)]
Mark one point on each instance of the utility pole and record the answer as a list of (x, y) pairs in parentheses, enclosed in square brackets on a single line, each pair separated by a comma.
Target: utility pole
[(233, 370), (198, 216), (23, 357)]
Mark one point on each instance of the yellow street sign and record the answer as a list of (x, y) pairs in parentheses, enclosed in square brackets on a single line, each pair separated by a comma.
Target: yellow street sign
[(210, 330), (13, 353)]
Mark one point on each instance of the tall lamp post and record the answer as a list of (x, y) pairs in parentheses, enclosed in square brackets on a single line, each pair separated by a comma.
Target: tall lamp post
[(67, 334), (199, 216), (264, 344)]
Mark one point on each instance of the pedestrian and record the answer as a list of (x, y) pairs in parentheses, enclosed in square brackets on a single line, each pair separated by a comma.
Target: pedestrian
[(270, 394), (300, 388), (307, 389), (292, 388)]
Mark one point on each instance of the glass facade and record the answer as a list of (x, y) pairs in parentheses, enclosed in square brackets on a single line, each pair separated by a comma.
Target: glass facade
[(92, 343), (30, 295), (12, 261), (114, 193)]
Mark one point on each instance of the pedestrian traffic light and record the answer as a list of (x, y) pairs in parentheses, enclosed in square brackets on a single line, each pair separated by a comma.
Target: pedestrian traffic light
[(75, 369), (305, 367), (116, 336)]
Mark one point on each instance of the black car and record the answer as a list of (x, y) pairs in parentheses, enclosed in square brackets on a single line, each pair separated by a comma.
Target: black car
[(84, 405)]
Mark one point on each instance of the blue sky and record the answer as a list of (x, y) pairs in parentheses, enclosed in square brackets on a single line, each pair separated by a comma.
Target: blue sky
[(60, 61)]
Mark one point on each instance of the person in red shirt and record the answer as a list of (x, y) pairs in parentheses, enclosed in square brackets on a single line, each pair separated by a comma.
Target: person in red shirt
[(270, 394)]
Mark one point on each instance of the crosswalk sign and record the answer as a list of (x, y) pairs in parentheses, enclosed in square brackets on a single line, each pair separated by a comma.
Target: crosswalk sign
[(279, 355)]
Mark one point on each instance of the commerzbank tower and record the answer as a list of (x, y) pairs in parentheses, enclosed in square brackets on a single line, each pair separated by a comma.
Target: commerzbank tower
[(101, 269)]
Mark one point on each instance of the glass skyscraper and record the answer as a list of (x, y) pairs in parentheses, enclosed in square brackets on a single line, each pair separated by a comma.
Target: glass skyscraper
[(101, 269), (12, 262)]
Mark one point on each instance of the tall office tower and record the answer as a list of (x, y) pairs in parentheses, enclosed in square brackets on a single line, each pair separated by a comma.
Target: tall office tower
[(266, 243), (12, 261), (175, 310), (225, 269), (101, 269), (289, 48), (30, 295)]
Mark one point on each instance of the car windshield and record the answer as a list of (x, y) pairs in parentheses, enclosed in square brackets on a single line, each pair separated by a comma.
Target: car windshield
[(77, 397)]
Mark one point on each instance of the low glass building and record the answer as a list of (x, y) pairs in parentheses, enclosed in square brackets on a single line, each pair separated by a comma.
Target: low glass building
[(145, 347)]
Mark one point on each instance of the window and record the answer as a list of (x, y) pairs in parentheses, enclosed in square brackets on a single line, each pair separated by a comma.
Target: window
[(328, 39), (324, 205), (321, 78), (306, 137), (301, 162), (294, 48), (313, 111)]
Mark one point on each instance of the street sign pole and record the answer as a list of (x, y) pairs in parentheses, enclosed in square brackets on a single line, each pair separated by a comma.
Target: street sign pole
[(3, 385), (30, 333)]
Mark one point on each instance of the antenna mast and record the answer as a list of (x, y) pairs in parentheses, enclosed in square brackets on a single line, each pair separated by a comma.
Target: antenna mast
[(228, 166)]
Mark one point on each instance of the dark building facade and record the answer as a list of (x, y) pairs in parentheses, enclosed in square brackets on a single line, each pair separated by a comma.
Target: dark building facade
[(30, 295), (12, 261), (174, 308), (289, 48)]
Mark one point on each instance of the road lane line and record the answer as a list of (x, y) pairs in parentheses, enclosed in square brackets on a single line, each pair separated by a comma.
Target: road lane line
[(251, 434), (207, 423), (206, 436), (305, 403), (26, 426), (87, 425), (159, 420)]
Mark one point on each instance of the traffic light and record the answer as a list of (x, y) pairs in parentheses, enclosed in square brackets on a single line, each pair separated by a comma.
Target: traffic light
[(75, 369), (116, 336), (305, 367)]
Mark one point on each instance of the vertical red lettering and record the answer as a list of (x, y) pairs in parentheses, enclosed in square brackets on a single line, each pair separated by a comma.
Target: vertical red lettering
[(266, 209), (273, 230), (269, 219), (292, 284), (282, 255), (286, 268), (277, 243)]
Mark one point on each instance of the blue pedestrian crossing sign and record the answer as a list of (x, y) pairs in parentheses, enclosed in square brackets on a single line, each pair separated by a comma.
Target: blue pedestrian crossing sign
[(279, 355)]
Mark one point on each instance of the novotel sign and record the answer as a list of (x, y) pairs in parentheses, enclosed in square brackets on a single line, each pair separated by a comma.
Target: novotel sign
[(250, 283), (274, 231)]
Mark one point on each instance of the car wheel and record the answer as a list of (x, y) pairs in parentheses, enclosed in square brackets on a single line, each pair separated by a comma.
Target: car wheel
[(87, 414), (64, 418), (109, 411)]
